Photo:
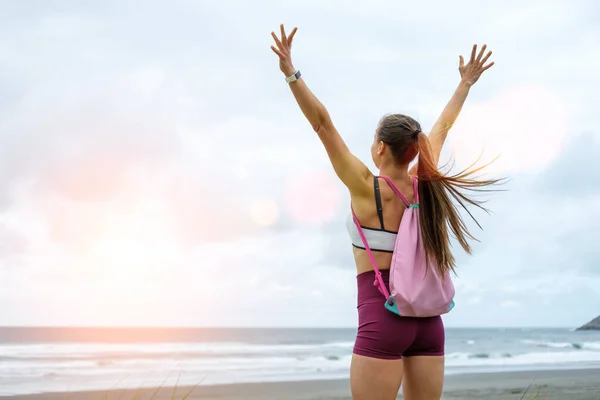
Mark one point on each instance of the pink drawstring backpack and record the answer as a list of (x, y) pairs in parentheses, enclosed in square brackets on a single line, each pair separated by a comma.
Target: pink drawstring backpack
[(416, 291)]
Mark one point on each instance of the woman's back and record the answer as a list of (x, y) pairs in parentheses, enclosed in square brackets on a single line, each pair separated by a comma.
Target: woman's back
[(392, 209)]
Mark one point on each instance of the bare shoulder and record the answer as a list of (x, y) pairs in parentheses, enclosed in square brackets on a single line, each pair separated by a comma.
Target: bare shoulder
[(355, 175)]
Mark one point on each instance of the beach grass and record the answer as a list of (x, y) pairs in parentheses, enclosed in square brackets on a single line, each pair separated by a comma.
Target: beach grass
[(531, 392), (533, 396), (577, 384)]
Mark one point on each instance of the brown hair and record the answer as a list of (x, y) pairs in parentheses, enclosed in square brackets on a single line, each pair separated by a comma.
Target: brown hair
[(439, 216)]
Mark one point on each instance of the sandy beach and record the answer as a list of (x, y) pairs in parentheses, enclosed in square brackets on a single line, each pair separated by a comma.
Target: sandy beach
[(581, 384)]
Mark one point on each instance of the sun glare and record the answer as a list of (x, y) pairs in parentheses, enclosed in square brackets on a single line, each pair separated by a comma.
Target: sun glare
[(264, 212), (525, 126), (133, 247), (312, 197)]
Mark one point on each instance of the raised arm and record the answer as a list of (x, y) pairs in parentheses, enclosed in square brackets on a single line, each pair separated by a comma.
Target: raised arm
[(351, 171), (469, 74)]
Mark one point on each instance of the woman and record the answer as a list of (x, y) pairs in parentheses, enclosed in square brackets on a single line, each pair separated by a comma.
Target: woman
[(390, 350)]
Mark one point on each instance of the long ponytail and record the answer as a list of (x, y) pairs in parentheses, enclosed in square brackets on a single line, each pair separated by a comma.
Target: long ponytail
[(439, 215)]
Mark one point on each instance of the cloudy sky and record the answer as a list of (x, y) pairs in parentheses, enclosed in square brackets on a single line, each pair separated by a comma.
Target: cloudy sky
[(155, 169)]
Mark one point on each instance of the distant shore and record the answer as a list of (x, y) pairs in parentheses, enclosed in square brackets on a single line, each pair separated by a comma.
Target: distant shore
[(580, 384)]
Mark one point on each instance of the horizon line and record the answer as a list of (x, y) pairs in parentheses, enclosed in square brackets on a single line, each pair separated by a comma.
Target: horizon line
[(258, 327)]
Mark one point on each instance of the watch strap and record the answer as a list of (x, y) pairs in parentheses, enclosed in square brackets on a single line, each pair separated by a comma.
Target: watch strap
[(294, 77)]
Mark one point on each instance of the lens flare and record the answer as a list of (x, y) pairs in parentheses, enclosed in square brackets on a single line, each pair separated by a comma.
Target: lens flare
[(264, 212), (312, 197)]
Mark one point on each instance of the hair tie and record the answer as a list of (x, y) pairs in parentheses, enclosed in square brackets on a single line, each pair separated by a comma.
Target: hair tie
[(415, 134)]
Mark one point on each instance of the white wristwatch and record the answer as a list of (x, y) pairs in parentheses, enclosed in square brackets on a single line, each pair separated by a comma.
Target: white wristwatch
[(293, 77)]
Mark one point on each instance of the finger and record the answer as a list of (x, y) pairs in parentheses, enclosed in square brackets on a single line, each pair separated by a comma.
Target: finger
[(279, 53), (291, 37), (277, 41), (487, 66), (486, 57), (481, 52), (473, 51), (283, 37), (461, 62)]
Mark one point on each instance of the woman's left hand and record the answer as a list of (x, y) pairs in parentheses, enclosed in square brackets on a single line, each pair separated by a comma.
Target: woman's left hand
[(471, 72), (284, 51)]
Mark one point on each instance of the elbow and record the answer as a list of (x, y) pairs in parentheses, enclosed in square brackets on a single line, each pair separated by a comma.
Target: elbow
[(321, 123), (322, 129), (321, 120)]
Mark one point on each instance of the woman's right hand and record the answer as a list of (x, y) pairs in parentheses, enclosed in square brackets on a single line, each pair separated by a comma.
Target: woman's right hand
[(471, 72)]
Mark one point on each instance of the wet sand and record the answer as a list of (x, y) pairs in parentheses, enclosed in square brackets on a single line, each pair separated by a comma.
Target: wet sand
[(581, 384)]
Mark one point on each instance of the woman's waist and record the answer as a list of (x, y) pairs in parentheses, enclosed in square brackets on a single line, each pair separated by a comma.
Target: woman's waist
[(366, 285), (383, 261), (385, 273)]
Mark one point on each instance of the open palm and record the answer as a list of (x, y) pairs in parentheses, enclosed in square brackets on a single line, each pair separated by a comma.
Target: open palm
[(284, 50), (471, 72)]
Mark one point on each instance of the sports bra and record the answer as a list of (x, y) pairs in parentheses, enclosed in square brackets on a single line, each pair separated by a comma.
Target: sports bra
[(378, 239)]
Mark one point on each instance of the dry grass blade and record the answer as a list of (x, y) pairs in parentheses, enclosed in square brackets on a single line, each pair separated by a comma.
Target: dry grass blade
[(139, 392), (194, 388), (137, 395), (529, 388), (105, 396), (176, 385), (159, 387), (67, 393), (121, 394)]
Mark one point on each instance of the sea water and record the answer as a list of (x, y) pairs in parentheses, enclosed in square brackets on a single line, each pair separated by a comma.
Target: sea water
[(34, 360)]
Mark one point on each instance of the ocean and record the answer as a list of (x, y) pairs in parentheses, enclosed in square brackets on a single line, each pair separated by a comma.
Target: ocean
[(34, 360)]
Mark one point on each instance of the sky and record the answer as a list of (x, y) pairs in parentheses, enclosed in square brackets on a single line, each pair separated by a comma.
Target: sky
[(155, 169)]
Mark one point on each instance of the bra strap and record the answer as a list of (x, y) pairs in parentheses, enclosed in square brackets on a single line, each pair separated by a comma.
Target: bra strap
[(378, 279), (378, 201)]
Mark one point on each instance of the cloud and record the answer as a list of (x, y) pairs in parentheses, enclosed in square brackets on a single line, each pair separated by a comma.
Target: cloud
[(575, 172), (139, 147), (510, 304)]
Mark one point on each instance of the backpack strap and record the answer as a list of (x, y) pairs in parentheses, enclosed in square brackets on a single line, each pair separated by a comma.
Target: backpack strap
[(395, 190), (378, 279)]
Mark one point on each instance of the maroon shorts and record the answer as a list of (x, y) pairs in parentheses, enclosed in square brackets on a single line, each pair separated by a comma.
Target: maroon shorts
[(383, 334)]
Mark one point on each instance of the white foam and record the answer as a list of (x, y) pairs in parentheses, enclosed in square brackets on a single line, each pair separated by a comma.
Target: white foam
[(75, 350), (535, 358), (89, 366), (555, 345), (591, 345), (563, 345)]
